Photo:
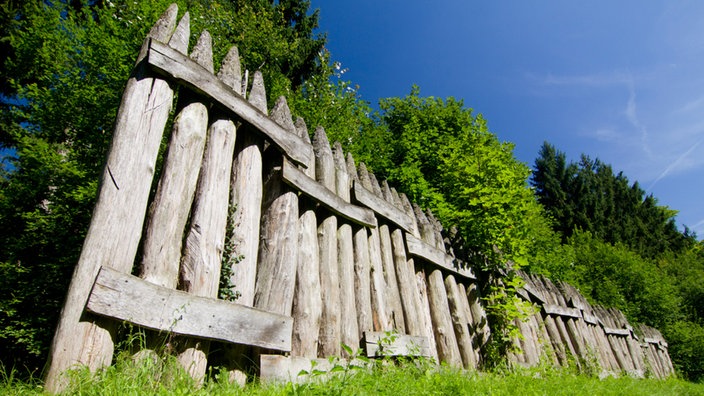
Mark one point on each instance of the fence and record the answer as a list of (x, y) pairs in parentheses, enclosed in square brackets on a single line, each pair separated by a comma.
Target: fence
[(320, 253), (569, 329)]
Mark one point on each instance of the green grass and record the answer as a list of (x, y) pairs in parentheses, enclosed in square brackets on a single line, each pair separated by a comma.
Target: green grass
[(165, 377)]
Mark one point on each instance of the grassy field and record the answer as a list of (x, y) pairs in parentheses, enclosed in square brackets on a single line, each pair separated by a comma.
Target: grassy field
[(166, 378)]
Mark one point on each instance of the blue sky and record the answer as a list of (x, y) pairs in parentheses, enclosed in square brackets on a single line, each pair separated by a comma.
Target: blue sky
[(619, 80)]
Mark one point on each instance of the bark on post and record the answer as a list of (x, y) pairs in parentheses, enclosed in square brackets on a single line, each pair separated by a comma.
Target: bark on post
[(122, 199), (308, 303), (278, 249), (355, 315), (330, 330), (205, 241)]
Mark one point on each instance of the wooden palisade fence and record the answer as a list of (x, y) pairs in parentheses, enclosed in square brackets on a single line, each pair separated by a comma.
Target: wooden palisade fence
[(567, 329), (327, 255)]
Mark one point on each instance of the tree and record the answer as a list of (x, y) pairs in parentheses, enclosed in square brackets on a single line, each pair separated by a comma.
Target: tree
[(588, 196), (446, 159)]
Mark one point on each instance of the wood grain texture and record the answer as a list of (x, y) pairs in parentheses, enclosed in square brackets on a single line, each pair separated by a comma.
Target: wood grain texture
[(205, 240), (308, 303), (355, 307), (460, 322), (278, 249), (174, 194), (440, 317), (433, 255), (122, 200), (298, 180), (126, 297), (381, 207), (185, 70), (330, 329)]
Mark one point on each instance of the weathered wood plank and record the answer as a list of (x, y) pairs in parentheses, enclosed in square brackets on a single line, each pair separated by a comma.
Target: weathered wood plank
[(533, 292), (406, 284), (116, 226), (440, 320), (126, 297), (381, 305), (433, 255), (591, 319), (395, 307), (381, 207), (183, 69), (298, 180), (377, 344), (552, 309), (617, 332), (171, 206)]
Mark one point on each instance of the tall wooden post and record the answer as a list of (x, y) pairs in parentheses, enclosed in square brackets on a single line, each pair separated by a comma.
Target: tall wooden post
[(122, 199), (278, 249), (205, 241), (330, 328), (308, 304), (354, 312)]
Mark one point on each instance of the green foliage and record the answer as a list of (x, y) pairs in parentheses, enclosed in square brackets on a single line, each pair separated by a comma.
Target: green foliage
[(589, 196), (617, 277), (686, 347), (504, 307), (446, 159), (168, 378)]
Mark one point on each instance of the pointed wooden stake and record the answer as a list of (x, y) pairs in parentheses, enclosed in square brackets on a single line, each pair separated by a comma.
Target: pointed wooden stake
[(123, 195), (308, 303)]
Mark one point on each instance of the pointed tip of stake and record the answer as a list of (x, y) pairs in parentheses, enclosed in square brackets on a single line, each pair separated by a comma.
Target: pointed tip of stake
[(339, 156), (375, 185), (364, 176), (203, 51), (302, 129), (320, 139), (257, 94), (231, 72), (351, 167), (386, 191), (164, 26), (281, 114), (179, 40)]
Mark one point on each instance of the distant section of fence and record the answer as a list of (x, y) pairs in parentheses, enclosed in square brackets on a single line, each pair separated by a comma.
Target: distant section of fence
[(569, 330), (320, 253)]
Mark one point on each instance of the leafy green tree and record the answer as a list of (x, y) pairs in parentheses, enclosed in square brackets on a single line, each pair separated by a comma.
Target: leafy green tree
[(588, 196), (446, 159)]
